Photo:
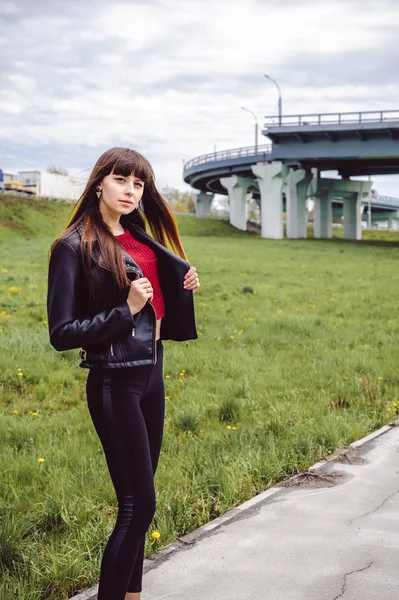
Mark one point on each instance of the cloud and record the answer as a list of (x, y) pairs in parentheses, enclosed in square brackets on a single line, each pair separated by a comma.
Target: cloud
[(168, 77)]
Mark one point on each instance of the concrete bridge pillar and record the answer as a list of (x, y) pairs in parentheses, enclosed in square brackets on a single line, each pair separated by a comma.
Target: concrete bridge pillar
[(393, 221), (322, 214), (353, 207), (237, 188), (203, 201), (298, 182), (353, 210), (353, 217), (271, 179)]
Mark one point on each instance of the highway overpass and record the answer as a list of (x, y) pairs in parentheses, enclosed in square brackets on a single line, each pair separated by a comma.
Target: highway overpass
[(303, 146)]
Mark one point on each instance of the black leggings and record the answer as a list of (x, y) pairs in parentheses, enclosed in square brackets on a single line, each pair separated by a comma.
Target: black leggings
[(127, 407)]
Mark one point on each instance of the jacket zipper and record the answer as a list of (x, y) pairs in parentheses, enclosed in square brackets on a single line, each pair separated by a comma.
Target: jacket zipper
[(155, 327), (155, 322), (155, 332), (137, 275)]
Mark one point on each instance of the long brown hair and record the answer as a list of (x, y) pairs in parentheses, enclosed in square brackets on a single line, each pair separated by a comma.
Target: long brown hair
[(96, 233)]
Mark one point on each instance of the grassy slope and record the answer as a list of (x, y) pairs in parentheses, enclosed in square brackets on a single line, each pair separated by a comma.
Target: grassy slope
[(297, 355)]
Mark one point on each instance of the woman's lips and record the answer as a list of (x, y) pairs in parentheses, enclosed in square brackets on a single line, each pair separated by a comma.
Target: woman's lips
[(126, 202)]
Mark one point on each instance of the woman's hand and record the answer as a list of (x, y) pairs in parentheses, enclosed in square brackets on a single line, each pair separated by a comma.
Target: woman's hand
[(191, 281), (139, 293)]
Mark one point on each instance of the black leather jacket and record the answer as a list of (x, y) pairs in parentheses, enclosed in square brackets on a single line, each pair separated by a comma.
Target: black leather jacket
[(104, 327)]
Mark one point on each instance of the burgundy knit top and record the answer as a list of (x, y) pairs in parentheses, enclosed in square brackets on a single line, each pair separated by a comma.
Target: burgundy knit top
[(147, 260)]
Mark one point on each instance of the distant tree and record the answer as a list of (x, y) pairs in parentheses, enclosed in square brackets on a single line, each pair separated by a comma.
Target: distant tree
[(178, 200), (57, 170)]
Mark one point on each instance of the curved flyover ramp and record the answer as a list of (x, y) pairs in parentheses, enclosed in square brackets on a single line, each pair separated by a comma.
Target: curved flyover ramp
[(364, 143)]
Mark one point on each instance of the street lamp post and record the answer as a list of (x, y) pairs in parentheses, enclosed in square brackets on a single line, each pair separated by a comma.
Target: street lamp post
[(280, 103), (256, 127)]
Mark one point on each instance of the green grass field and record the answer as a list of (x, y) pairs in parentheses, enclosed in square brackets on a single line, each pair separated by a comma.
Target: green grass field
[(297, 355)]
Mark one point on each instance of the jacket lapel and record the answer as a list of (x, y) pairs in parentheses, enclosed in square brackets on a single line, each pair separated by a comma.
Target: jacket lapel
[(142, 236), (130, 264)]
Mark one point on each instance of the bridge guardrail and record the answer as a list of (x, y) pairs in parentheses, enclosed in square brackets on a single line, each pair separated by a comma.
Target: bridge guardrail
[(226, 154), (370, 116)]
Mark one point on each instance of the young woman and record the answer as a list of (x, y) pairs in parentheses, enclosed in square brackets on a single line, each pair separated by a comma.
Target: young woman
[(115, 292)]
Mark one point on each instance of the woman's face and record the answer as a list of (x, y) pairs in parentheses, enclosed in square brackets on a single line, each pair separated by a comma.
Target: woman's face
[(120, 195)]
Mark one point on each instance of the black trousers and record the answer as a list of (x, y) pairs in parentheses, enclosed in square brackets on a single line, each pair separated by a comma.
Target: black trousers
[(127, 408)]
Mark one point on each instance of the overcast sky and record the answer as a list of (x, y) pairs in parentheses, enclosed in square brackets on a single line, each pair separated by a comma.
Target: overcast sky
[(168, 77)]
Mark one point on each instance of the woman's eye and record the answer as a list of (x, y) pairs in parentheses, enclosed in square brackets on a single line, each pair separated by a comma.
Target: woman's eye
[(139, 184), (119, 179)]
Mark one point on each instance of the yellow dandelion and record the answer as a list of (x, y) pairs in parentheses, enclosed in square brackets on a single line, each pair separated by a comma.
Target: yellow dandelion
[(380, 378), (40, 460), (228, 426), (389, 321), (346, 377), (20, 374), (303, 266), (167, 376), (34, 414), (395, 404), (183, 371), (219, 339), (4, 270), (16, 412), (14, 289), (241, 331), (3, 313), (167, 397), (1, 329), (232, 337), (234, 428), (155, 535)]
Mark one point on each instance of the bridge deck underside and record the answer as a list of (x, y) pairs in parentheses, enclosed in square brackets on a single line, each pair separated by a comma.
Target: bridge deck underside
[(362, 150), (207, 177), (350, 166)]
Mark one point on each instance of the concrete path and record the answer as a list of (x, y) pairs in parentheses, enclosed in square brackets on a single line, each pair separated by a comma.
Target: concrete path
[(329, 533)]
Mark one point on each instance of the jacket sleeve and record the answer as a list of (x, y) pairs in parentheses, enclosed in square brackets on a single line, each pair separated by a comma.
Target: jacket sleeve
[(67, 328)]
